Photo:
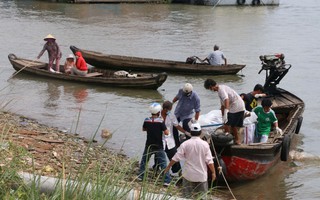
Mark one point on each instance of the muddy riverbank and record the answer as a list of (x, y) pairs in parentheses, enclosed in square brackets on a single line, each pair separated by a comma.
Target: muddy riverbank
[(53, 150)]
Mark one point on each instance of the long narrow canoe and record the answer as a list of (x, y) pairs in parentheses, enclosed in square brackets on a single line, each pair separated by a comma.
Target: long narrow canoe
[(118, 62), (230, 2), (95, 76)]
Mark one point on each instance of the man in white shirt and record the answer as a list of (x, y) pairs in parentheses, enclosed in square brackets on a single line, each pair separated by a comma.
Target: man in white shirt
[(216, 57), (197, 157), (232, 107), (171, 122)]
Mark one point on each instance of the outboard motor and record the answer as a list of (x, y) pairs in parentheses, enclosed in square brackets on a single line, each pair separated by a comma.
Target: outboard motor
[(276, 69)]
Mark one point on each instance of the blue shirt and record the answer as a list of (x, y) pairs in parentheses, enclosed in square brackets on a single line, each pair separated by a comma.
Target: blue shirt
[(187, 105), (216, 57)]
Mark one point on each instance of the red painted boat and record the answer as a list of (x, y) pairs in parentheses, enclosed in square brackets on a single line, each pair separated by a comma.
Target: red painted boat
[(249, 161)]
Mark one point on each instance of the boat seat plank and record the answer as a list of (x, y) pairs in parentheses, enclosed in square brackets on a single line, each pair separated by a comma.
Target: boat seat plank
[(294, 100), (286, 101), (281, 102), (94, 74)]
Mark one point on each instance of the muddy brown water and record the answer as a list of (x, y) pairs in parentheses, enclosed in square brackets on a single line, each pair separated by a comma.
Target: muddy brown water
[(169, 32)]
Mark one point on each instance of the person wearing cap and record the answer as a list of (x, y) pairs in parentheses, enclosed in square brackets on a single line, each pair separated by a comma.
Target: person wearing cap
[(81, 67), (54, 52), (188, 108), (155, 127), (232, 107), (266, 119), (216, 57), (250, 99), (197, 158), (69, 64)]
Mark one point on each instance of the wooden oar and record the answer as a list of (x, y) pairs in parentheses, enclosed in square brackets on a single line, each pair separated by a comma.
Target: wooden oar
[(14, 74)]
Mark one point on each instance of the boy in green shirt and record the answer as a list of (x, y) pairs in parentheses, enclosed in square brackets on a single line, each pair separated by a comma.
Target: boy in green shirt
[(266, 118)]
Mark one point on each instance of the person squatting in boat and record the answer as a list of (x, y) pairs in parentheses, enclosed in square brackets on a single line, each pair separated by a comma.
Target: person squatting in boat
[(81, 67), (69, 64), (216, 57)]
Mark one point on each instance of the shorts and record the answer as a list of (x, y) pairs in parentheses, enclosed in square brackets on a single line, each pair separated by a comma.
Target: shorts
[(235, 119)]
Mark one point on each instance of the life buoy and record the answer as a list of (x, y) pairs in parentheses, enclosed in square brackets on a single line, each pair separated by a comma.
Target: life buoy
[(285, 148), (300, 119), (255, 2), (241, 2)]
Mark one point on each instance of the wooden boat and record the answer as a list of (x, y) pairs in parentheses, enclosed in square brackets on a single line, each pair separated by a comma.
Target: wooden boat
[(194, 2), (104, 61), (95, 76), (230, 2), (249, 161)]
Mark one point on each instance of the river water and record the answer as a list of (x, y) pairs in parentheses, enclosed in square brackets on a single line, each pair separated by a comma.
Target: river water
[(168, 32)]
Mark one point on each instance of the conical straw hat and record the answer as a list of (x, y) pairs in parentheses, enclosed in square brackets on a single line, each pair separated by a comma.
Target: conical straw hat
[(49, 37)]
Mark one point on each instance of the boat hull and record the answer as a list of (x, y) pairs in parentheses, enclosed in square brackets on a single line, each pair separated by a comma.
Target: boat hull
[(116, 62), (230, 2), (247, 162)]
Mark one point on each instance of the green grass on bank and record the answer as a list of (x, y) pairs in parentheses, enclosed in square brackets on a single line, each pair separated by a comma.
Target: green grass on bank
[(88, 182)]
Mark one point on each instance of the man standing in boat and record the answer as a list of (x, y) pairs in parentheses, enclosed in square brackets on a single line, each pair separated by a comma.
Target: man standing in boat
[(216, 57), (187, 108), (232, 107)]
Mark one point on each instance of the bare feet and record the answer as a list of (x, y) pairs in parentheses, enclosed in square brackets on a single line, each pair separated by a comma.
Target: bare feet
[(237, 143)]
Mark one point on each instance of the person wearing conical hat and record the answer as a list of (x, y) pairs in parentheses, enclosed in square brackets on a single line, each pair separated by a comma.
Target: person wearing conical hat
[(54, 52)]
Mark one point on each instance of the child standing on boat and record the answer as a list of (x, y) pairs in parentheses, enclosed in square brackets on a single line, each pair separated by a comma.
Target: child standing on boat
[(266, 118)]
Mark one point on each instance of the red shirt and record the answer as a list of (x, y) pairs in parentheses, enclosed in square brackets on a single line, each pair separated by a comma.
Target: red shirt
[(81, 63)]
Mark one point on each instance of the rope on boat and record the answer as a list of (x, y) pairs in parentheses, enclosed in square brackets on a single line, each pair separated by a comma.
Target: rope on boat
[(221, 172)]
